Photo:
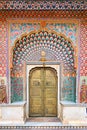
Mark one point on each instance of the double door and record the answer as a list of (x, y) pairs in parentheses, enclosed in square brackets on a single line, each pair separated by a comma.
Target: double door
[(43, 92)]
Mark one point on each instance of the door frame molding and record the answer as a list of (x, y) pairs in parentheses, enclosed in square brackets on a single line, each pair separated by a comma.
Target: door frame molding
[(58, 67)]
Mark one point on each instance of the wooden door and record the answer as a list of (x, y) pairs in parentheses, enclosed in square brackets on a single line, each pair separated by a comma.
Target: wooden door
[(50, 92), (43, 92)]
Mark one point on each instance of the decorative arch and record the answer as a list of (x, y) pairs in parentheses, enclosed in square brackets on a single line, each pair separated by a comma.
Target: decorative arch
[(57, 48)]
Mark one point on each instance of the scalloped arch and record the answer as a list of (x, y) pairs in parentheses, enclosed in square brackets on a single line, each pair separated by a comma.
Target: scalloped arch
[(57, 47), (51, 31)]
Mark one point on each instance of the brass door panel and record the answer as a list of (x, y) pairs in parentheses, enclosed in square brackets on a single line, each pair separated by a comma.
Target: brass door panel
[(43, 92), (50, 93), (36, 94)]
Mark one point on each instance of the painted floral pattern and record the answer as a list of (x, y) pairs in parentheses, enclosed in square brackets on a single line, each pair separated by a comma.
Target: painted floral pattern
[(16, 30), (69, 30)]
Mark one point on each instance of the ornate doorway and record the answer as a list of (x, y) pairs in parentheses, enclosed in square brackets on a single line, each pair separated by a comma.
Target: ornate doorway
[(43, 92)]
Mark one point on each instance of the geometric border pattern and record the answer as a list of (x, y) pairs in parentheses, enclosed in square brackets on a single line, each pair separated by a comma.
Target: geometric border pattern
[(43, 127), (83, 50), (3, 49), (43, 5), (43, 14)]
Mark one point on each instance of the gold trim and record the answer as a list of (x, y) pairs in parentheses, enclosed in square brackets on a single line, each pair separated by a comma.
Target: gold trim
[(41, 20)]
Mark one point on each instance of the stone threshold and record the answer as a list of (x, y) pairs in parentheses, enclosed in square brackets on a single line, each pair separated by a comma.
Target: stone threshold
[(43, 119)]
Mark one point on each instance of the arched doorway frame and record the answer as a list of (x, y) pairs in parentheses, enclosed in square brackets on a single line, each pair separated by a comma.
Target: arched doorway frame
[(25, 64), (55, 65)]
